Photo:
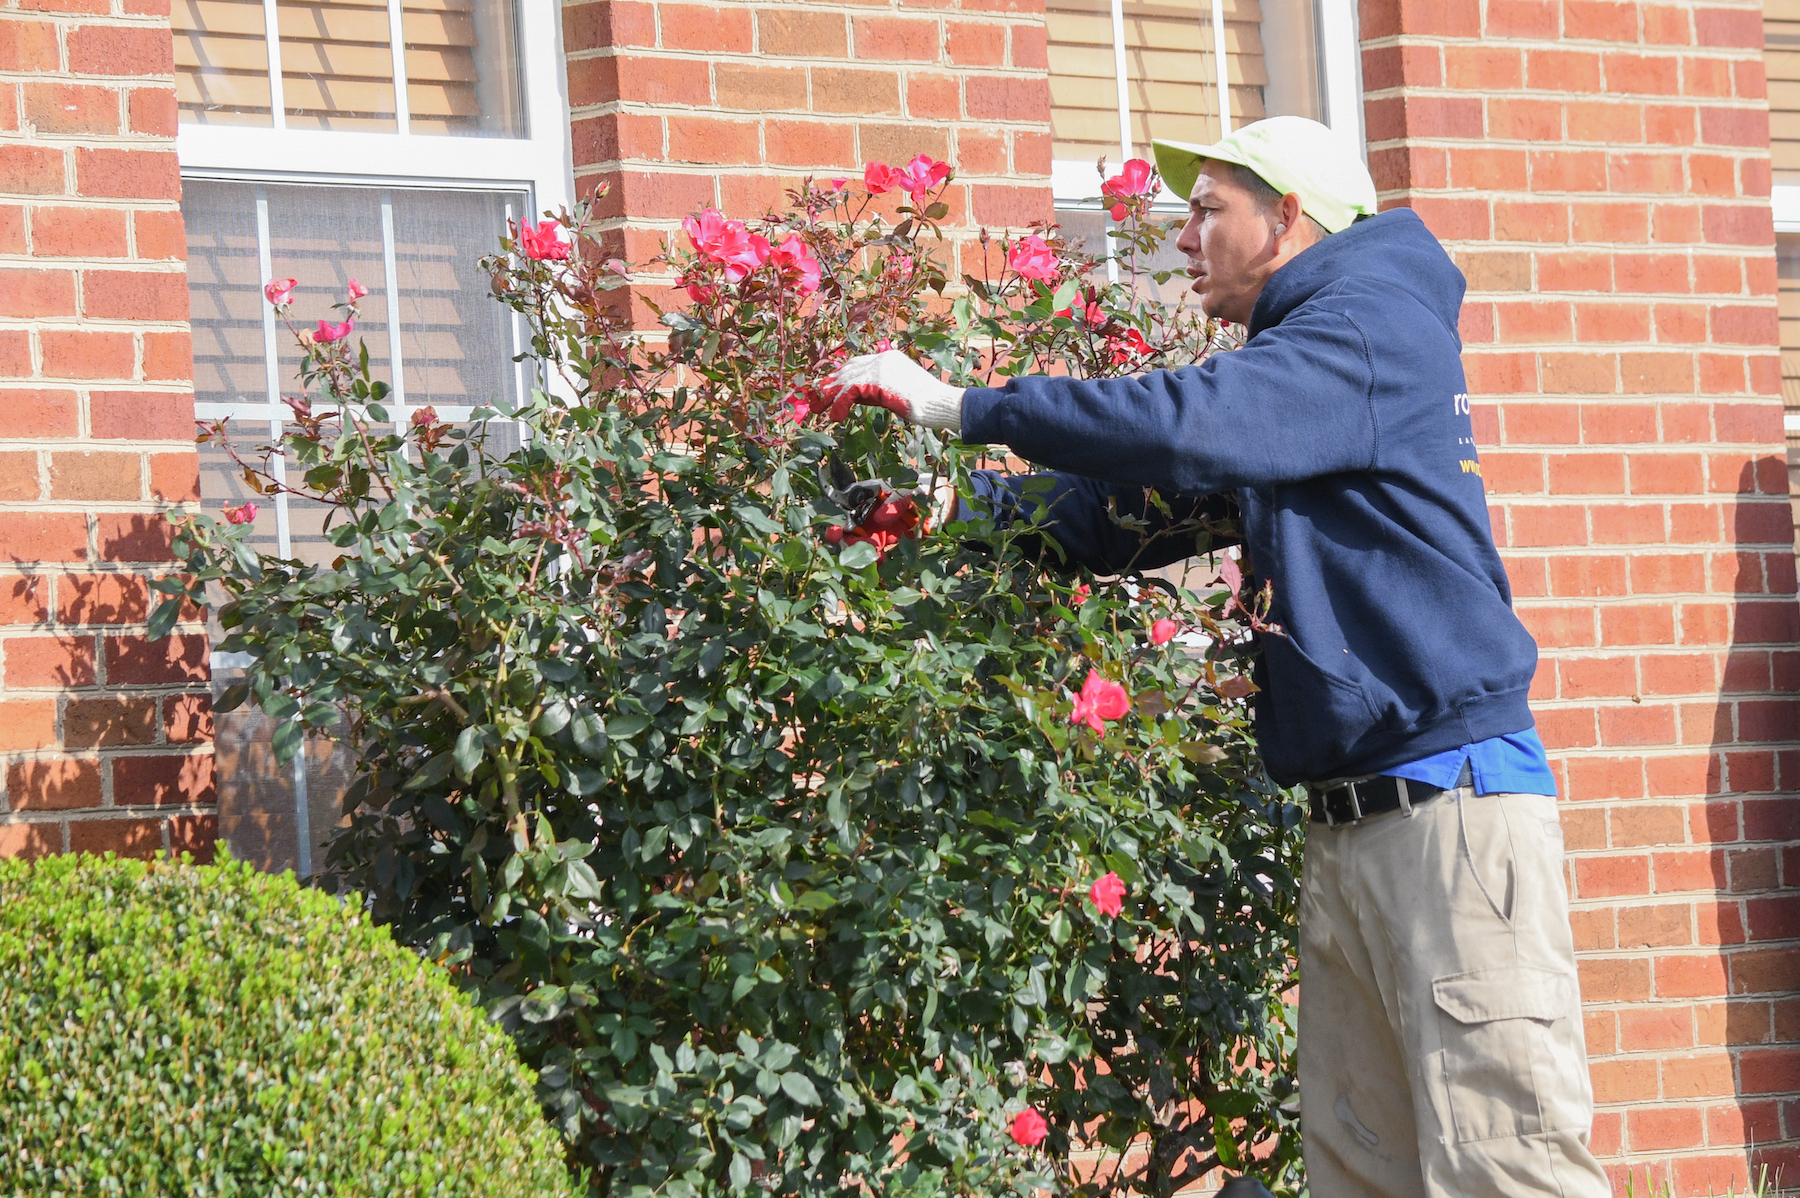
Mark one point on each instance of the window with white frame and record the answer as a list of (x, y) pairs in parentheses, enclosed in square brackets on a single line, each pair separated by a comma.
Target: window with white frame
[(389, 141), (1125, 71)]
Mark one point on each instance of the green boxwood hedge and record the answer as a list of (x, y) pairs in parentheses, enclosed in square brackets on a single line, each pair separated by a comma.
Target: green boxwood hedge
[(182, 1030)]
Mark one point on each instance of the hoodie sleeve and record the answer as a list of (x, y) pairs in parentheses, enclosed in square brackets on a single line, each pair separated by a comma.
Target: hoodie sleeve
[(1078, 517), (1294, 403)]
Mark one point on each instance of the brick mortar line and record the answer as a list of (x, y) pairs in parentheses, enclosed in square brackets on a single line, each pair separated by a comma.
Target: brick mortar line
[(1436, 91), (135, 266), (757, 169), (747, 117), (104, 814), (764, 58)]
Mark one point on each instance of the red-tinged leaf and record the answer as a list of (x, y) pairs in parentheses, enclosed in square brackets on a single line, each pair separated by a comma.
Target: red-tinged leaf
[(1236, 687)]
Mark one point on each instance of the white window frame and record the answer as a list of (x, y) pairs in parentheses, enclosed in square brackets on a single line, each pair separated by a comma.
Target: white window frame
[(539, 167), (1074, 184)]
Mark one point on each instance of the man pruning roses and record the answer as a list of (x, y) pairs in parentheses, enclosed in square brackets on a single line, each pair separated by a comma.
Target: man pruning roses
[(1441, 1049)]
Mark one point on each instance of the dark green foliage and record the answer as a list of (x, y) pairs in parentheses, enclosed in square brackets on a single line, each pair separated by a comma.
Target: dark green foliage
[(185, 1031)]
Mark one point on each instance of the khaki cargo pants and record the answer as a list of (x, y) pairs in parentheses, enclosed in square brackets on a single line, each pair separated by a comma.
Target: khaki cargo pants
[(1441, 1049)]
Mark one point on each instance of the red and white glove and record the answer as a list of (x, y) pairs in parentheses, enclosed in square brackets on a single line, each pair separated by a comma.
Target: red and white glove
[(894, 381)]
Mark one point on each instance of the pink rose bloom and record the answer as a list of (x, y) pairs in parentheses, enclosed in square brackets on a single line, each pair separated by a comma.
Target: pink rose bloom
[(1131, 183), (543, 241), (921, 175), (794, 259), (1028, 1128), (799, 406), (1163, 631), (1080, 596), (329, 332), (240, 515), (1108, 894), (425, 417), (280, 292), (357, 291), (1032, 257), (838, 184), (727, 242), (879, 177), (1100, 699), (1077, 310)]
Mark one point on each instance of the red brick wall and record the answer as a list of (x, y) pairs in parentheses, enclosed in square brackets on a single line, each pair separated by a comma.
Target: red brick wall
[(104, 736), (1600, 171), (682, 105)]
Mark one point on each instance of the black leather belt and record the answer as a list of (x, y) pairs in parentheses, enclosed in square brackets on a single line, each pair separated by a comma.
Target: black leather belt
[(1355, 801)]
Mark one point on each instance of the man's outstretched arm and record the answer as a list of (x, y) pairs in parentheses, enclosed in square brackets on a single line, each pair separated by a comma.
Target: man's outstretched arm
[(1294, 403), (1108, 529)]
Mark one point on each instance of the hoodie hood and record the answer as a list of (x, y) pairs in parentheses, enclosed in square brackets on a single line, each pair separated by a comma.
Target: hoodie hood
[(1394, 249)]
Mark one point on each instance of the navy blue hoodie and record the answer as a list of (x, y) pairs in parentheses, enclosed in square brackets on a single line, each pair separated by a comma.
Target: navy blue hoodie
[(1342, 424)]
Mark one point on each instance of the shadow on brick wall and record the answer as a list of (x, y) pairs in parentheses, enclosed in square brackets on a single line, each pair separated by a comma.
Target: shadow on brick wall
[(1744, 1076)]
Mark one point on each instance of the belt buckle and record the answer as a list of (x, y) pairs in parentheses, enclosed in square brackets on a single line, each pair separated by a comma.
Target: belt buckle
[(1349, 788)]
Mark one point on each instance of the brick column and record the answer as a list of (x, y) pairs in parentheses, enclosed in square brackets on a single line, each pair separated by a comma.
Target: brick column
[(1600, 171), (105, 737), (680, 106)]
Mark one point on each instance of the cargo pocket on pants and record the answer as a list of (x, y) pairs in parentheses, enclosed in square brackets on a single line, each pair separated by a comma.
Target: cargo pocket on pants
[(1512, 1057)]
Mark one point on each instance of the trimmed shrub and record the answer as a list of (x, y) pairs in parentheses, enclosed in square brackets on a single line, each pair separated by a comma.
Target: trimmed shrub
[(182, 1030), (808, 842)]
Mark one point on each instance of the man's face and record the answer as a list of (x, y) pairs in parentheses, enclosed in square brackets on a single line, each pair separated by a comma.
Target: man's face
[(1230, 245)]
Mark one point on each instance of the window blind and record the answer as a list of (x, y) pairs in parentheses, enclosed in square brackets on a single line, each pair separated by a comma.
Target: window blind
[(337, 64), (1781, 59), (1169, 67)]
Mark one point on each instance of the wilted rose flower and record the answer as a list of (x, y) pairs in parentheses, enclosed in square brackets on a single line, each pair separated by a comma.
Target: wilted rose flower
[(921, 175), (1128, 345), (1032, 257), (329, 332), (242, 514), (794, 259), (1108, 893), (1128, 188), (1028, 1128), (543, 241), (1100, 699), (1163, 631), (300, 405), (727, 242), (425, 417), (879, 177), (280, 292), (700, 293), (357, 290)]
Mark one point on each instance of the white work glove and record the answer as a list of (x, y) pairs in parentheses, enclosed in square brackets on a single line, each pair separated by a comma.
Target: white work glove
[(937, 496), (894, 381)]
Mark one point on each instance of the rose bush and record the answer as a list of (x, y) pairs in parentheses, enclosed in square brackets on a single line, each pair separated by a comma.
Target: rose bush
[(804, 845)]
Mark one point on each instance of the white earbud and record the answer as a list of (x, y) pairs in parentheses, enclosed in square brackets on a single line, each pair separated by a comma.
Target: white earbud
[(1280, 229)]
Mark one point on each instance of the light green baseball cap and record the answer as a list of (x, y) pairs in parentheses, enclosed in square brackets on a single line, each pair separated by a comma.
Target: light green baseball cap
[(1293, 155)]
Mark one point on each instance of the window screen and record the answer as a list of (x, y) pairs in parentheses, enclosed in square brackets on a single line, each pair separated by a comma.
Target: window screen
[(1787, 269), (1137, 71), (429, 322)]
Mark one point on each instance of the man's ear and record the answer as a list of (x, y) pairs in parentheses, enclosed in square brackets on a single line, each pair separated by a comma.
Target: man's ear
[(1288, 215)]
